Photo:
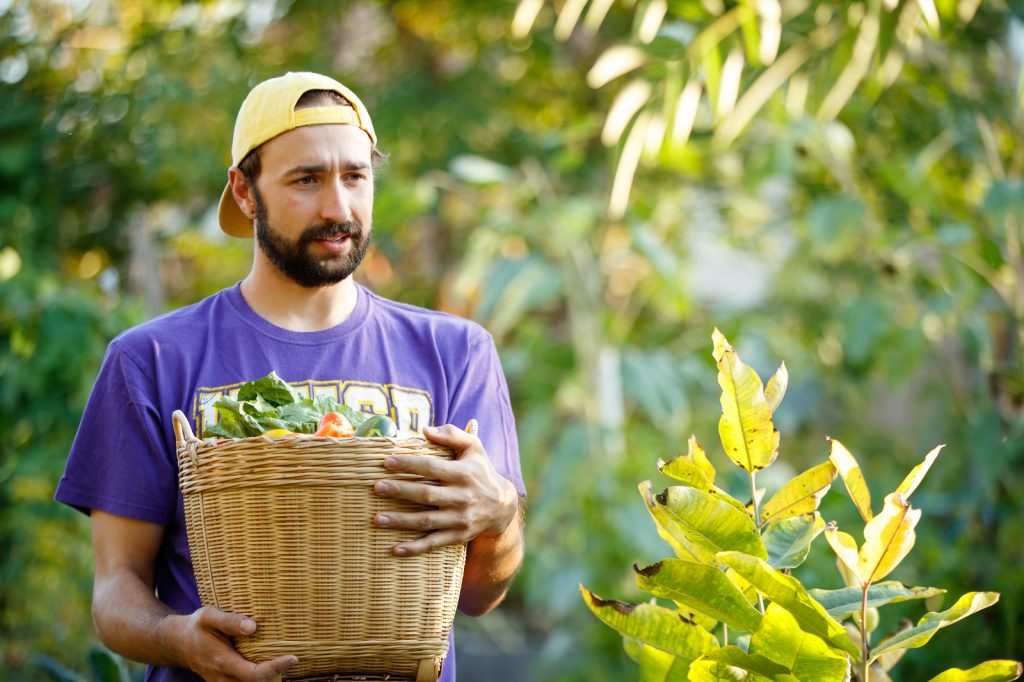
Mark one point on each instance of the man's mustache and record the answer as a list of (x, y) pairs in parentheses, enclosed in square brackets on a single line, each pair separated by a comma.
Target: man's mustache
[(348, 228)]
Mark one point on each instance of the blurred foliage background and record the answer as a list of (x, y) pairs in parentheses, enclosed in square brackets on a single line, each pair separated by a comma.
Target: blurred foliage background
[(836, 185)]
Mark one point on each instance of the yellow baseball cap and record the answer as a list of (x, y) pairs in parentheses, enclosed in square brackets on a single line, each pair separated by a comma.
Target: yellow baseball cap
[(268, 111)]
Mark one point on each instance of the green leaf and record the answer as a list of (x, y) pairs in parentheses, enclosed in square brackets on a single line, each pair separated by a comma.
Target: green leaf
[(271, 388), (888, 538), (733, 663), (791, 595), (841, 603), (693, 468), (800, 495), (846, 551), (700, 587), (652, 624), (989, 671), (656, 665), (233, 422), (780, 639), (788, 542), (710, 522), (776, 388), (917, 474), (851, 474), (918, 636), (748, 435), (670, 530)]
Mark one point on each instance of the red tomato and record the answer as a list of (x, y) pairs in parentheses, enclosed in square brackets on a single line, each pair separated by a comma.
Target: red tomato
[(334, 425)]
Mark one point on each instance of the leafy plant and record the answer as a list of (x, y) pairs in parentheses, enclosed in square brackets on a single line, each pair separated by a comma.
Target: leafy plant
[(733, 567)]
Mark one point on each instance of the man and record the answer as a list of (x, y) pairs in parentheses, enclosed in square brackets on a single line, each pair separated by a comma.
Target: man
[(302, 182)]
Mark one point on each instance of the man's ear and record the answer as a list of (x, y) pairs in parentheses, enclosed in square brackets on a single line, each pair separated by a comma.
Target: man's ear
[(242, 191)]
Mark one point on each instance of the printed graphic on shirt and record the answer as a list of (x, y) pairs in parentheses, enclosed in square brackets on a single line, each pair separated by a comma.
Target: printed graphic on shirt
[(410, 408)]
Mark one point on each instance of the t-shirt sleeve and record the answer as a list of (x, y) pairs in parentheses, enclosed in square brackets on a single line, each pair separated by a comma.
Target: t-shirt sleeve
[(482, 394), (120, 461)]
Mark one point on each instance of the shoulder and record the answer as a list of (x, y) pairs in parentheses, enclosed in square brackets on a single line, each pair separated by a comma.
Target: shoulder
[(423, 320), (177, 329)]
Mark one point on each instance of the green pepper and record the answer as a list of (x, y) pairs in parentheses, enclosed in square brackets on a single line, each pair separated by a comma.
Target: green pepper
[(375, 426)]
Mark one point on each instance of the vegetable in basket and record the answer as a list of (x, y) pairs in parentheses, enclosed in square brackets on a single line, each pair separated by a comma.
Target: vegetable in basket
[(269, 406)]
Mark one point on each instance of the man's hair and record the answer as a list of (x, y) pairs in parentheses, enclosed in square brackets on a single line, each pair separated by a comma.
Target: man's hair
[(250, 165)]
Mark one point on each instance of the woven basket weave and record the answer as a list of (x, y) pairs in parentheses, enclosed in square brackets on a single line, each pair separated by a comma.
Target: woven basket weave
[(281, 530)]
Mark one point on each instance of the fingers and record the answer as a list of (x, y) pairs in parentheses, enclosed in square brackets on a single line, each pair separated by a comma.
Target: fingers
[(431, 541), (270, 670), (453, 437), (424, 520), (422, 493), (231, 624)]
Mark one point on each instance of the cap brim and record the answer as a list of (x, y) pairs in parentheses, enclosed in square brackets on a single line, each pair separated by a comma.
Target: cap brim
[(232, 220)]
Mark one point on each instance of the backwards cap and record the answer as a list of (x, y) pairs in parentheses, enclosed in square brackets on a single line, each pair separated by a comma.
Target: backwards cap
[(268, 111)]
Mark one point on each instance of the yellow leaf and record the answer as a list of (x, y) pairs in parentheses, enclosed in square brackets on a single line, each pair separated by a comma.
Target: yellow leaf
[(800, 495), (748, 435), (693, 467), (776, 387), (888, 538), (844, 546), (917, 474), (852, 477)]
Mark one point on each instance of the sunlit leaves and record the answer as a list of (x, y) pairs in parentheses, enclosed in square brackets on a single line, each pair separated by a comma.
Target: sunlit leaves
[(709, 522), (791, 595), (920, 634), (800, 495), (702, 588), (888, 538), (989, 671), (917, 474), (851, 474), (780, 639), (662, 628), (748, 435), (733, 663), (693, 468)]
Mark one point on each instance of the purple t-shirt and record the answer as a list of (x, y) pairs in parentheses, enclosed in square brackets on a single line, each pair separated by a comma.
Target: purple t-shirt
[(420, 367)]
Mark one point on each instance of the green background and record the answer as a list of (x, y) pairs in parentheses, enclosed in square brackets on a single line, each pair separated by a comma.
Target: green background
[(874, 246)]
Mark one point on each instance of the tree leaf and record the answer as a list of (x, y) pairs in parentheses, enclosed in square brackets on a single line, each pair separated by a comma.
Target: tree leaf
[(670, 530), (776, 388), (989, 671), (918, 636), (851, 474), (845, 548), (789, 541), (656, 665), (917, 474), (780, 639), (682, 467), (791, 595), (710, 522), (841, 603), (733, 663), (700, 587), (888, 538), (662, 628), (748, 435), (801, 494)]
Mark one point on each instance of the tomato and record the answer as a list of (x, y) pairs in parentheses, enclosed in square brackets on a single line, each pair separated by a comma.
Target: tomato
[(334, 425)]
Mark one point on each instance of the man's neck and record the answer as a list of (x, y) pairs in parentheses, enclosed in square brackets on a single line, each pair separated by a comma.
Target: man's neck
[(285, 304)]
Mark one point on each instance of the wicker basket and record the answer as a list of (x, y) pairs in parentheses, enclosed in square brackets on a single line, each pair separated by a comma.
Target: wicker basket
[(281, 530)]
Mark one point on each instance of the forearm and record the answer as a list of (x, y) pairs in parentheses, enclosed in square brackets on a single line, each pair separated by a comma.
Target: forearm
[(492, 561), (131, 621)]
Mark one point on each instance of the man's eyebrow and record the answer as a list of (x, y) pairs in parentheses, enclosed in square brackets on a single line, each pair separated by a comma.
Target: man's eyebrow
[(321, 167)]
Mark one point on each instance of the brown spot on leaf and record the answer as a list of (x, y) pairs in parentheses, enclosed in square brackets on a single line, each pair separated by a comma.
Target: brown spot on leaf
[(651, 570), (662, 497), (620, 606)]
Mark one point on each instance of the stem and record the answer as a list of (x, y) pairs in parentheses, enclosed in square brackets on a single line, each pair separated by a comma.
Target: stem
[(725, 635), (864, 648), (753, 502)]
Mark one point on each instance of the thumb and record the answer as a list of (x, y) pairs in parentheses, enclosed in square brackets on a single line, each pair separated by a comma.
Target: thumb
[(232, 624), (271, 670)]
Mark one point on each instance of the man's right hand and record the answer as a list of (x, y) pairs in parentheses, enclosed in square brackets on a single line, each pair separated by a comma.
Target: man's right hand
[(131, 621), (203, 640)]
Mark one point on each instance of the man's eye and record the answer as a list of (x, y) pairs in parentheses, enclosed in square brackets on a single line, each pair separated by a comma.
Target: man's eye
[(306, 180)]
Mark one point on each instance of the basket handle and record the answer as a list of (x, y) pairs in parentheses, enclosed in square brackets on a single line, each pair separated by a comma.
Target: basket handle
[(182, 429)]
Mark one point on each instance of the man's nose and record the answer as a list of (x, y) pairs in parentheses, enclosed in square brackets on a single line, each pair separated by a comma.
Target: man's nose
[(335, 205)]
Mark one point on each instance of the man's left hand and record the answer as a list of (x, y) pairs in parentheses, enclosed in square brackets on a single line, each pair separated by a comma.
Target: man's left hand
[(473, 499)]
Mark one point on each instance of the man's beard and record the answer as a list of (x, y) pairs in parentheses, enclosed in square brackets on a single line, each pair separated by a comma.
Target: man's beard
[(295, 260)]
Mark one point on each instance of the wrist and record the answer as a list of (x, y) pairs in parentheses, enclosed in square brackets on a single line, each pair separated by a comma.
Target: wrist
[(170, 630)]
